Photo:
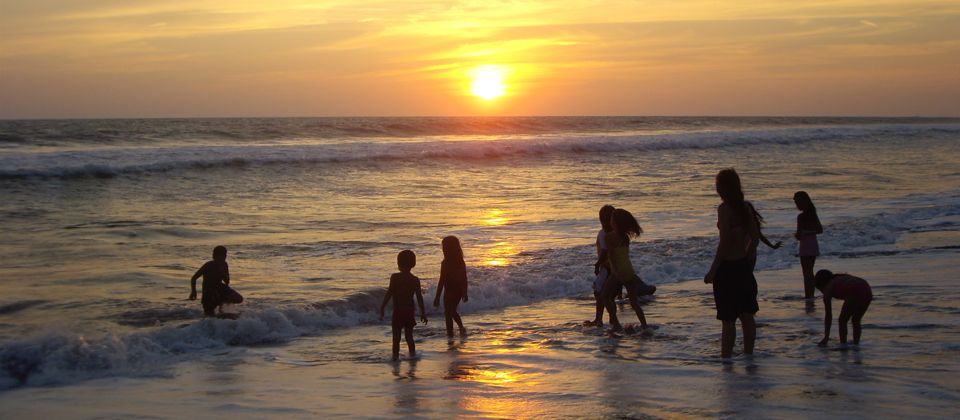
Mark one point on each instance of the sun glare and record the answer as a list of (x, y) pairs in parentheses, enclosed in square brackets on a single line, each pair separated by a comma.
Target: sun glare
[(488, 81)]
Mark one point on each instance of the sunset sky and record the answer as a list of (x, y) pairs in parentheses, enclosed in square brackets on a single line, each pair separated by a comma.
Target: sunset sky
[(194, 58)]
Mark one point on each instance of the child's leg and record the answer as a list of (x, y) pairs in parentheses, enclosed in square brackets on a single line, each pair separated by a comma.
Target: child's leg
[(856, 322), (411, 346), (396, 342), (845, 314), (209, 308), (449, 321), (598, 320), (456, 318), (450, 311), (632, 296), (749, 326), (727, 337), (806, 264), (610, 290), (450, 307)]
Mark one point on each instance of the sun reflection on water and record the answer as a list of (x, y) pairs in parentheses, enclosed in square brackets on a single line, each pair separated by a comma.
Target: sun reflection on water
[(495, 217), (499, 254)]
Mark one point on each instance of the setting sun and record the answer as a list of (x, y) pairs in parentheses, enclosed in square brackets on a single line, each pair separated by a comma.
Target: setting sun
[(488, 81)]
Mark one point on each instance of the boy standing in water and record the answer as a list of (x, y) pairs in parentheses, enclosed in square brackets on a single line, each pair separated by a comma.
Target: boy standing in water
[(403, 286), (216, 283)]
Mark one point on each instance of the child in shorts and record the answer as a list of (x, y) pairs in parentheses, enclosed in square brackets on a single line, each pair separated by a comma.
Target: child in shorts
[(403, 286)]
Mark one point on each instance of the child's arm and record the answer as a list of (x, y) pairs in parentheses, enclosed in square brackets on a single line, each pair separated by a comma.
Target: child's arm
[(601, 260), (423, 312), (723, 226), (827, 317), (226, 273), (443, 275), (466, 285), (763, 238), (193, 283), (386, 298), (767, 242), (799, 226), (383, 306)]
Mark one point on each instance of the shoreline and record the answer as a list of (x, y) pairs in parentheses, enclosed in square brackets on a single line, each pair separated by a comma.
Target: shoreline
[(537, 360)]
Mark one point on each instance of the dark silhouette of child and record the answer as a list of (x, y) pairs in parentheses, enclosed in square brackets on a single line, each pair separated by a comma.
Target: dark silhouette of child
[(453, 279), (216, 283), (856, 295), (403, 286)]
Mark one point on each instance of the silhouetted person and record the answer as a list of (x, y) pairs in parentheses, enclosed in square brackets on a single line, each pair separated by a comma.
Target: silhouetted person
[(403, 286), (623, 227), (856, 295), (808, 227), (216, 283), (602, 267), (453, 280), (734, 287)]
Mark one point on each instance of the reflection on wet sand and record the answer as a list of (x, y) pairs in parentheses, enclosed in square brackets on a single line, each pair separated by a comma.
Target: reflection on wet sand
[(490, 388), (407, 391)]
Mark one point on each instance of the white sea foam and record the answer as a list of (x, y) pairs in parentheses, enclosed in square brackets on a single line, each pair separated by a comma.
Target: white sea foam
[(115, 161), (59, 357)]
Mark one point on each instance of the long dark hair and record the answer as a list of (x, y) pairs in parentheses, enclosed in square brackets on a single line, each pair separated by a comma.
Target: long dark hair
[(802, 198), (628, 225), (452, 252), (731, 192)]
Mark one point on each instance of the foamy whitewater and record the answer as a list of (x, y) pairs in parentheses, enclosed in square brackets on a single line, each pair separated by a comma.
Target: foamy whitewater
[(104, 222)]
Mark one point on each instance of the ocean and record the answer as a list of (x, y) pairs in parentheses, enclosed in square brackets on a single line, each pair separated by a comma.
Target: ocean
[(104, 222)]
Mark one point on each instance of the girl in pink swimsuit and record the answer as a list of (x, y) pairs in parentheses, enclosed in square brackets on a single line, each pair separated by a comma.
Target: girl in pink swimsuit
[(808, 227), (856, 295)]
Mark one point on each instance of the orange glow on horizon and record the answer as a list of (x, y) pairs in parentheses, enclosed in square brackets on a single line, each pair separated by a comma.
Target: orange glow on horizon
[(210, 58)]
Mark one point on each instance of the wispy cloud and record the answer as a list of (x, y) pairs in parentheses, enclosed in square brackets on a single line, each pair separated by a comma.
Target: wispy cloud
[(393, 49)]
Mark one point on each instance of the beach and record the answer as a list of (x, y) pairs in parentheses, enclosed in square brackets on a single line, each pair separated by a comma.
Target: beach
[(539, 361), (105, 222)]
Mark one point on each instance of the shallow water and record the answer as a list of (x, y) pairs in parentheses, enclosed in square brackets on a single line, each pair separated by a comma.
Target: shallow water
[(105, 221), (538, 360)]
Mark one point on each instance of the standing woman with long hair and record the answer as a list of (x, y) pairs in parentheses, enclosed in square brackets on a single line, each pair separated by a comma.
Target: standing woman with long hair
[(808, 227), (453, 278), (734, 287)]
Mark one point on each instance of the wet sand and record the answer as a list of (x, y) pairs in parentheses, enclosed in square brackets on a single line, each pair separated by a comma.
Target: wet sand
[(540, 361)]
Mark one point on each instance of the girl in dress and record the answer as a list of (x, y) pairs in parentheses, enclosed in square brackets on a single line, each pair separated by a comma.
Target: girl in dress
[(808, 227)]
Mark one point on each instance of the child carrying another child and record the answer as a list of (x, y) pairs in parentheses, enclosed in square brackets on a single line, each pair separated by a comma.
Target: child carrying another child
[(623, 227), (216, 283), (403, 286)]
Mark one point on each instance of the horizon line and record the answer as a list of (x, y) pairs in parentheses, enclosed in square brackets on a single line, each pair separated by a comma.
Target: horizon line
[(482, 116)]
